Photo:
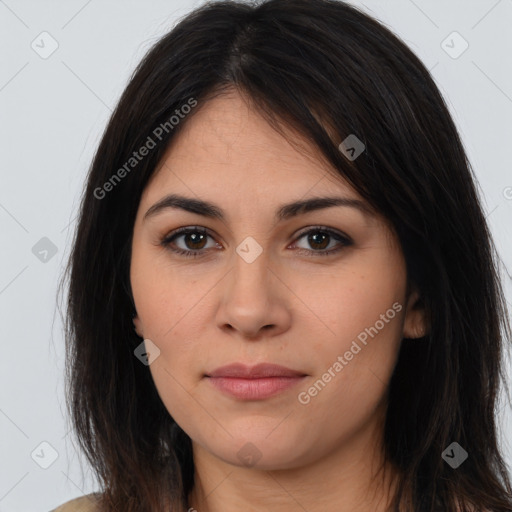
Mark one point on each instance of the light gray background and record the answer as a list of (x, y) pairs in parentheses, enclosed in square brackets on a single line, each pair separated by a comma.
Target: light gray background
[(53, 112)]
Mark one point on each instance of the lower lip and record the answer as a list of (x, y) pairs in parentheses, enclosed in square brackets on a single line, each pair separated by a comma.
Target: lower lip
[(254, 389)]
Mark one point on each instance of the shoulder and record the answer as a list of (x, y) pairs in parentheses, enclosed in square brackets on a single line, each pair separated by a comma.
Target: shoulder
[(87, 503)]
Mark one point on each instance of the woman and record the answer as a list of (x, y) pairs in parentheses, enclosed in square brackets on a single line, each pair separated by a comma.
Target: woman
[(283, 291)]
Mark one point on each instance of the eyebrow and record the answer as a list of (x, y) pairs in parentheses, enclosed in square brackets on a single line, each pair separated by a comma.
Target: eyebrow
[(284, 212)]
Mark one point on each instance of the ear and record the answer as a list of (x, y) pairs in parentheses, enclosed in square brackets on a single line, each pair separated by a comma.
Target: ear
[(414, 321), (138, 326)]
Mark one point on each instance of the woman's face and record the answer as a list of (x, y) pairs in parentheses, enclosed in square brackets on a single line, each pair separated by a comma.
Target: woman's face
[(319, 291)]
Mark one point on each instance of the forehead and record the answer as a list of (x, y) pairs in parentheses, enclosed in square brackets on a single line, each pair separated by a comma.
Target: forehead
[(227, 145)]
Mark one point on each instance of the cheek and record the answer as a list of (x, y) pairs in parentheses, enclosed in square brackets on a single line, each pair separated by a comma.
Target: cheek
[(362, 318), (352, 379), (162, 295), (350, 303), (175, 323)]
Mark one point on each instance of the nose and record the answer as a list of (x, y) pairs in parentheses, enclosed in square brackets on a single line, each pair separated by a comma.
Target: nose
[(255, 301)]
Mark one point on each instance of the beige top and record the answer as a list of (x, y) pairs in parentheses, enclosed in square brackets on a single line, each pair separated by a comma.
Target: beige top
[(82, 504)]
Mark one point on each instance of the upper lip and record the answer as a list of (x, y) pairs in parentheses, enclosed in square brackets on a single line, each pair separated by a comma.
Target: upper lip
[(254, 372)]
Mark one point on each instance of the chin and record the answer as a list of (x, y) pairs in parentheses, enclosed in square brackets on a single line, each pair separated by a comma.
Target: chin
[(264, 452)]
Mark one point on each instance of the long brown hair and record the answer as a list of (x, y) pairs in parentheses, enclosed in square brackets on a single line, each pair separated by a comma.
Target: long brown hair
[(299, 61)]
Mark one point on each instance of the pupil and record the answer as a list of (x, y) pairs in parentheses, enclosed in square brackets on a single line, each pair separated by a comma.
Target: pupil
[(323, 235), (195, 236)]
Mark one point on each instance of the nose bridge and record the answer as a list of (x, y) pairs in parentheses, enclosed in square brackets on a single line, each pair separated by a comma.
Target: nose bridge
[(250, 266)]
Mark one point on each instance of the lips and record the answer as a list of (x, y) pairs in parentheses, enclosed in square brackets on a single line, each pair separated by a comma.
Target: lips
[(254, 382), (259, 371)]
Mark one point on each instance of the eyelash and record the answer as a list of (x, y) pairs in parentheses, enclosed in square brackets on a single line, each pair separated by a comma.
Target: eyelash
[(166, 242)]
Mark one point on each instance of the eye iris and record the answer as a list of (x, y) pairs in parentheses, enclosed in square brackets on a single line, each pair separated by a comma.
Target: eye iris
[(312, 239), (195, 239)]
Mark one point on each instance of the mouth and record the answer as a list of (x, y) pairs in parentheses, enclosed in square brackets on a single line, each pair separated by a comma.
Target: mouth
[(254, 383)]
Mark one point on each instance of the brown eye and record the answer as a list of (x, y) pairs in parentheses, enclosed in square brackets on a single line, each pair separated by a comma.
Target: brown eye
[(194, 240), (320, 238)]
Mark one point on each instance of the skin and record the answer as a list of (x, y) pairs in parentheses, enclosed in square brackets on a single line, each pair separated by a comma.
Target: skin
[(298, 309)]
